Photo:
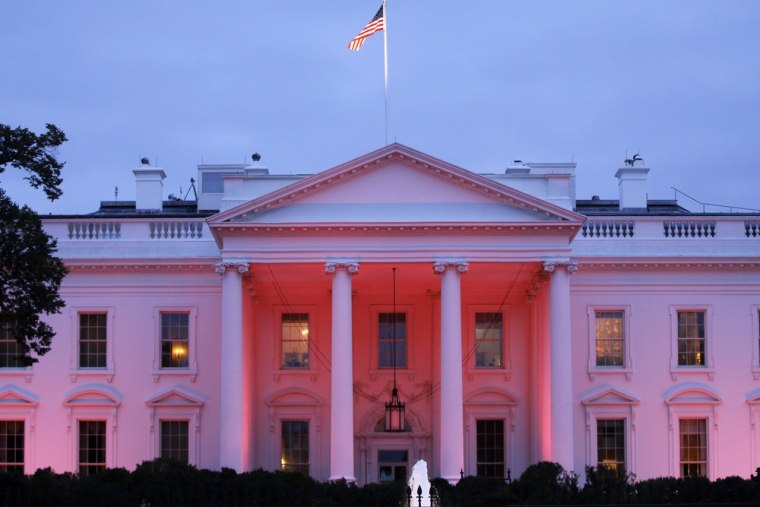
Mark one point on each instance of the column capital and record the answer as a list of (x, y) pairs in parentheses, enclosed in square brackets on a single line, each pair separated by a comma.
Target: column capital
[(570, 266), (241, 267), (332, 267), (440, 266)]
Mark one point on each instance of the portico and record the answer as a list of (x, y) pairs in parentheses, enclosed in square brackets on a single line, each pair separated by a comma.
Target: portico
[(334, 272)]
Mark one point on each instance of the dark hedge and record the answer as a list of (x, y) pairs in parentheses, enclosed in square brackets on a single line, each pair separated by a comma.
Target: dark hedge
[(161, 483)]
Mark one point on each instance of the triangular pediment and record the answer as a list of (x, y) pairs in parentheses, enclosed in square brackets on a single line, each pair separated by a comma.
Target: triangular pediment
[(396, 185), (176, 397), (608, 395), (13, 396)]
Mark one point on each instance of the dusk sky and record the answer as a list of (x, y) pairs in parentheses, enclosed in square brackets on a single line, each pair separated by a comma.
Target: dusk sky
[(476, 83)]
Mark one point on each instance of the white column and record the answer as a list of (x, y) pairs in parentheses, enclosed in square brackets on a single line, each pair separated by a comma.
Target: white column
[(561, 363), (342, 379), (232, 452), (452, 409)]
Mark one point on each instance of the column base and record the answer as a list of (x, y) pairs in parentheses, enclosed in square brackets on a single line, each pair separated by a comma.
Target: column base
[(349, 479), (453, 480)]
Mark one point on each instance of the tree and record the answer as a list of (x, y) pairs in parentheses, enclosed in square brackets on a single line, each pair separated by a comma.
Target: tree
[(30, 273)]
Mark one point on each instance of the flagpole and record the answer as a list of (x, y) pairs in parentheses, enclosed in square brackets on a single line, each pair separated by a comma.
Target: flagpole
[(385, 52)]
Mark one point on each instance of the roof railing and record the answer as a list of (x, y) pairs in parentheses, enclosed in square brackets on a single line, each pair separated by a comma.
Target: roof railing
[(731, 209)]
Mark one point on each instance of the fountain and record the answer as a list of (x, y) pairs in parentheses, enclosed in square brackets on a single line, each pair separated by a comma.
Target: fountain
[(420, 479)]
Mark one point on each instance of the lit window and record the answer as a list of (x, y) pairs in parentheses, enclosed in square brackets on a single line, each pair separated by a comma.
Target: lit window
[(610, 443), (174, 440), (392, 465), (693, 451), (92, 447), (490, 448), (294, 456), (12, 446), (691, 338), (92, 340), (391, 341), (175, 340), (295, 340), (488, 340), (11, 351), (610, 338)]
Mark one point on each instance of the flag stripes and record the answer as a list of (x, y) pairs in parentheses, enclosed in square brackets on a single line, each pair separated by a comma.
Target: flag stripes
[(377, 24)]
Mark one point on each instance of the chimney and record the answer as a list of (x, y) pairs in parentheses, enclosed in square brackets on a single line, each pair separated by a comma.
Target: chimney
[(632, 183), (518, 167), (149, 186)]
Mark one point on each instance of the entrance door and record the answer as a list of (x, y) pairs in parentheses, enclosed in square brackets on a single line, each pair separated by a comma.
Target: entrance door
[(392, 465)]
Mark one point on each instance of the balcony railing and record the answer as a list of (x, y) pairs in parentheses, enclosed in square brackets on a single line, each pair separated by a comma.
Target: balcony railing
[(123, 230), (689, 229), (94, 230), (607, 229)]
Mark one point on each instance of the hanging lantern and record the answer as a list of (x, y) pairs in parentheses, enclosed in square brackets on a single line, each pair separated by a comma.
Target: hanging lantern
[(394, 413)]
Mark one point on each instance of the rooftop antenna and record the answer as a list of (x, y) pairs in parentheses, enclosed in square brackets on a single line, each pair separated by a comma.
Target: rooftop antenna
[(115, 193)]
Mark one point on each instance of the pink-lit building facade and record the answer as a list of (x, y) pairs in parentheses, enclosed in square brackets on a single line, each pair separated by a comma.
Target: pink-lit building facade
[(253, 327)]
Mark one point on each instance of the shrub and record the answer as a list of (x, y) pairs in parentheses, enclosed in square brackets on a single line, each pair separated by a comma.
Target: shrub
[(605, 485), (546, 483)]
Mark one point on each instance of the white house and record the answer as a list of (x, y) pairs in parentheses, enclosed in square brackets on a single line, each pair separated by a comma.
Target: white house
[(268, 324)]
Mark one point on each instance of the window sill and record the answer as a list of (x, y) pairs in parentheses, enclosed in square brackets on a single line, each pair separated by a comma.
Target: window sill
[(108, 373), (192, 373), (17, 372), (675, 371), (277, 374), (379, 372), (472, 372), (610, 370)]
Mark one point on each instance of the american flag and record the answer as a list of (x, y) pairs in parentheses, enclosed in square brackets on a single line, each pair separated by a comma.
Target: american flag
[(377, 24)]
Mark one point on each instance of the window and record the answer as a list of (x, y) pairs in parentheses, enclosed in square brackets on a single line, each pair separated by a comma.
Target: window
[(92, 340), (392, 340), (392, 465), (294, 455), (175, 340), (610, 443), (295, 340), (174, 440), (175, 424), (610, 433), (692, 431), (212, 183), (12, 446), (488, 340), (691, 338), (92, 447), (490, 448), (693, 447), (11, 351), (610, 338)]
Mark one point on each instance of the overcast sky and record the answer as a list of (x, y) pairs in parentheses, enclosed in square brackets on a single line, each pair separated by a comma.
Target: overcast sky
[(477, 83)]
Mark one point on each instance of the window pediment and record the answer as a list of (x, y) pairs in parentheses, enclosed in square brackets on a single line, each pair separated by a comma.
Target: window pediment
[(692, 394), (294, 397), (92, 395), (490, 396), (608, 395), (11, 396), (176, 397)]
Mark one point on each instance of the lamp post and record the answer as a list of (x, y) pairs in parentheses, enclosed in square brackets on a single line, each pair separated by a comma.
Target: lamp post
[(394, 409)]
